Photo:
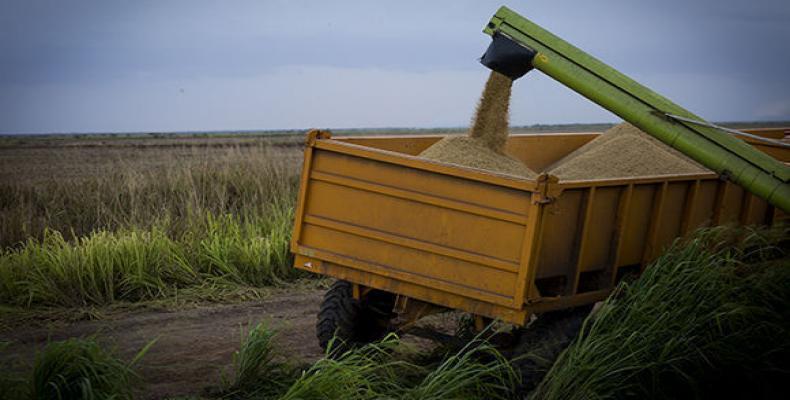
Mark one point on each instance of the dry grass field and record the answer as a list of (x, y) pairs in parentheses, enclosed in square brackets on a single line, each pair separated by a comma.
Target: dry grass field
[(110, 184), (142, 217)]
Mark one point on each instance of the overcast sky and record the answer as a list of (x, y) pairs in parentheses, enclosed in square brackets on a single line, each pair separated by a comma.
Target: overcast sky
[(121, 66)]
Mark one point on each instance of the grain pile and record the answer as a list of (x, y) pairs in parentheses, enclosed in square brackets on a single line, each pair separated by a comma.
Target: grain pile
[(472, 152), (484, 147), (621, 152)]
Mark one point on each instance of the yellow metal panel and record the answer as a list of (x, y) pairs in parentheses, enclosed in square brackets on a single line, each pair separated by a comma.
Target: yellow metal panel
[(410, 265), (539, 151), (755, 211), (652, 246), (440, 226), (689, 209), (655, 179), (435, 295), (526, 289), (671, 216), (472, 174), (728, 207), (639, 217), (602, 223), (771, 133), (561, 221), (623, 208), (705, 204), (437, 185), (300, 201), (746, 208), (411, 145), (425, 228), (581, 241)]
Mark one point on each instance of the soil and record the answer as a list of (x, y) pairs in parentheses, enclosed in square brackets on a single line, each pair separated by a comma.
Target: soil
[(193, 345), (621, 152)]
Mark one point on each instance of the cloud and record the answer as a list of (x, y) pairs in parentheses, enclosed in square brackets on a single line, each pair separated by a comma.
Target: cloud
[(107, 66), (287, 97), (304, 96), (290, 97)]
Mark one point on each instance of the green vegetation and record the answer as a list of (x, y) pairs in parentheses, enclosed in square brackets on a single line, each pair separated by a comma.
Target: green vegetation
[(75, 369), (256, 371), (364, 373), (149, 228), (477, 371), (380, 370), (135, 264), (170, 189), (710, 317)]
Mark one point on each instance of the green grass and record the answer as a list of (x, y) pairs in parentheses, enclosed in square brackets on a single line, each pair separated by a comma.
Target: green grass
[(710, 317), (382, 370), (476, 371), (75, 369), (257, 371), (137, 264), (364, 373), (148, 226)]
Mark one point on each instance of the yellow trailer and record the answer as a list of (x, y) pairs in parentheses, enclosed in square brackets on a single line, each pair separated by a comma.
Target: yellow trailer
[(408, 236)]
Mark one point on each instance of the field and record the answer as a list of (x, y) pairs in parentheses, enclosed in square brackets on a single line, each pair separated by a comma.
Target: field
[(184, 239), (177, 246)]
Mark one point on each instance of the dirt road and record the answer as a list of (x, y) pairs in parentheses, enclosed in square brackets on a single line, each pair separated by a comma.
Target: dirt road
[(193, 345)]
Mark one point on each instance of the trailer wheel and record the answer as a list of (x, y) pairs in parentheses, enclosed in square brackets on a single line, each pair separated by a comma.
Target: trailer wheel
[(541, 342), (349, 321)]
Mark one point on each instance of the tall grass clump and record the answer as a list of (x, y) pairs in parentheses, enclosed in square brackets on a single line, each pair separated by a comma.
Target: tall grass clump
[(253, 250), (256, 370), (82, 369), (375, 371), (477, 371), (710, 317), (98, 269), (135, 264), (363, 373)]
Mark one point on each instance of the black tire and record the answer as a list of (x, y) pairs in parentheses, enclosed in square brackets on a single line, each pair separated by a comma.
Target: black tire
[(541, 342), (349, 322)]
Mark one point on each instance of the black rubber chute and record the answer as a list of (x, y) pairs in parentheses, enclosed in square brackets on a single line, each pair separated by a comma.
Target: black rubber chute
[(508, 57)]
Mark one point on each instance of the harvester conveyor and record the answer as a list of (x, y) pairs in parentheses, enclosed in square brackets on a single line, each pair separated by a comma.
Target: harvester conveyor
[(520, 45)]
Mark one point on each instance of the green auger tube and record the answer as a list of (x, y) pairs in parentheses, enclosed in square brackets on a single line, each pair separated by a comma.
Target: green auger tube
[(728, 156)]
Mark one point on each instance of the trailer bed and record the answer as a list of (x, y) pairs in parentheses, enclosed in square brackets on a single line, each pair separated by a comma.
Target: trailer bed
[(372, 213)]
